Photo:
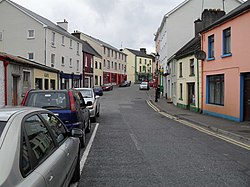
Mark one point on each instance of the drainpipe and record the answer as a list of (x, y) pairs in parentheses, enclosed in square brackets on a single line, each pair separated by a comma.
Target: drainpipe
[(198, 86), (5, 63)]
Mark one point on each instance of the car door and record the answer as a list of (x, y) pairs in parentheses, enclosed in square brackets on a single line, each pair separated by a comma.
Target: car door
[(67, 144), (47, 159), (84, 110)]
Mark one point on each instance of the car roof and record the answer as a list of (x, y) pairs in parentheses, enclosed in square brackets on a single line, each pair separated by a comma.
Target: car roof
[(7, 111), (84, 89), (49, 91)]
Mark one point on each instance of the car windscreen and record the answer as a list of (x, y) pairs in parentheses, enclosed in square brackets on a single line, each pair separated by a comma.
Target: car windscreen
[(49, 100), (2, 125), (86, 93)]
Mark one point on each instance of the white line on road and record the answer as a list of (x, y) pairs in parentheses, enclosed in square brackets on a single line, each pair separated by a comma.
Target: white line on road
[(86, 152), (135, 141)]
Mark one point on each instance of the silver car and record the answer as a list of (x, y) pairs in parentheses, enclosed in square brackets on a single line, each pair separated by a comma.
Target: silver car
[(89, 95), (36, 149), (144, 86)]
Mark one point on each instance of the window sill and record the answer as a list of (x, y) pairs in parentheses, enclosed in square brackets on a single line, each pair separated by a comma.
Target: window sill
[(226, 55), (210, 59), (192, 75)]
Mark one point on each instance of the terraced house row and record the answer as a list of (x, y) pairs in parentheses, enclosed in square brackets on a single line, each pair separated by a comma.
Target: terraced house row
[(210, 73), (66, 59)]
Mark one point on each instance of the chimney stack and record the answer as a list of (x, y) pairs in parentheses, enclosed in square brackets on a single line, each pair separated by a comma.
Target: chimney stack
[(209, 16), (143, 50), (63, 25)]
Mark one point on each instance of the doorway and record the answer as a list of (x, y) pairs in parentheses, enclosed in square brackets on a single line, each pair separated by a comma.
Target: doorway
[(14, 93), (191, 94), (247, 97)]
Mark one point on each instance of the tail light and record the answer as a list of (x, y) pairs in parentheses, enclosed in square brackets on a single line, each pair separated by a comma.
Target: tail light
[(72, 102)]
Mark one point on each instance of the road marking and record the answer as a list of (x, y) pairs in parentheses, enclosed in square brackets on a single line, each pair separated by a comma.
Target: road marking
[(135, 141), (201, 129), (86, 152)]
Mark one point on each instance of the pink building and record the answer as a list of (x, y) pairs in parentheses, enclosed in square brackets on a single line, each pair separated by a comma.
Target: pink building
[(226, 70)]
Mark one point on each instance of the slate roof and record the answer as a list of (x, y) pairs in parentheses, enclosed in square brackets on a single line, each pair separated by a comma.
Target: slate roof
[(88, 49), (189, 49), (43, 20), (140, 53), (27, 62), (234, 13)]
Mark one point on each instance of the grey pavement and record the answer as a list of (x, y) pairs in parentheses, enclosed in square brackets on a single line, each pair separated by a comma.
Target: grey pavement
[(239, 131)]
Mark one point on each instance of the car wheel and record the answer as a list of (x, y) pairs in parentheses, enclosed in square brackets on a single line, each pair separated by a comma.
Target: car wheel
[(83, 140), (93, 119), (77, 173), (88, 129), (98, 113)]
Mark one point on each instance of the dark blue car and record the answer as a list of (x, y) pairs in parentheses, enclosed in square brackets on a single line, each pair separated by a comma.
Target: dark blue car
[(98, 90)]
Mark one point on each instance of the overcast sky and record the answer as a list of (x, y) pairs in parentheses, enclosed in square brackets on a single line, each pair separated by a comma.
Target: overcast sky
[(126, 23)]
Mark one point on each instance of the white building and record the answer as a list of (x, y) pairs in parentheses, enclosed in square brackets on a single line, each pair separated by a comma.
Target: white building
[(27, 34), (177, 28)]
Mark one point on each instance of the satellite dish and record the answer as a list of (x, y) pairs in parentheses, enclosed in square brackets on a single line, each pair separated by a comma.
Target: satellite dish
[(200, 55)]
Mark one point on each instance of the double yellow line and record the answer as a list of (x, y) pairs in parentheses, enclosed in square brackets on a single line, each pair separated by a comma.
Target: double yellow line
[(201, 129)]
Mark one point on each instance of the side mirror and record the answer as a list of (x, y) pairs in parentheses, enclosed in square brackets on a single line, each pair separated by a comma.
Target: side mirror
[(97, 96), (77, 133)]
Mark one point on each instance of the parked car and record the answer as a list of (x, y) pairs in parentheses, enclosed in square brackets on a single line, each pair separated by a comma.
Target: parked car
[(98, 90), (89, 95), (107, 87), (124, 84), (36, 149), (152, 83), (144, 86), (68, 105)]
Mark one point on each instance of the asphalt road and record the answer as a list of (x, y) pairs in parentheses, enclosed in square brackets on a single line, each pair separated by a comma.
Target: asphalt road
[(136, 146)]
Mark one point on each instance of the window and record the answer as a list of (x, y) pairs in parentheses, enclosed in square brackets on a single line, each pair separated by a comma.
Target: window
[(115, 65), (181, 92), (38, 138), (227, 41), (62, 61), (86, 61), (145, 61), (77, 50), (96, 65), (211, 47), (53, 39), (56, 126), (70, 62), (180, 69), (91, 62), (119, 66), (52, 60), (192, 67), (104, 63), (96, 80), (215, 89), (112, 64), (1, 36), (31, 56), (108, 64), (140, 61), (70, 44), (104, 50), (100, 65), (26, 76), (62, 40), (77, 65), (31, 34)]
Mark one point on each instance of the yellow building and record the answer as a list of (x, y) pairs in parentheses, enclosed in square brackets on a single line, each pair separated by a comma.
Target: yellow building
[(139, 65)]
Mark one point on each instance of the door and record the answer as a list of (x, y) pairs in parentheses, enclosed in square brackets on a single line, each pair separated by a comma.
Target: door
[(14, 94), (191, 94), (247, 97)]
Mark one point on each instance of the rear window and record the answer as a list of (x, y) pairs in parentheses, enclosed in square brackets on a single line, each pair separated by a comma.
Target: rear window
[(57, 100), (86, 93), (2, 125)]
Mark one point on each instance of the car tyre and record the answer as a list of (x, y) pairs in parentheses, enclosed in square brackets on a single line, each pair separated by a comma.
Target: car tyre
[(88, 129), (93, 119), (77, 173), (83, 140)]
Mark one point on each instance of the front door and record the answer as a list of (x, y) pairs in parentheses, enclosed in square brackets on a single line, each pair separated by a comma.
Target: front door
[(247, 97), (14, 94), (191, 94)]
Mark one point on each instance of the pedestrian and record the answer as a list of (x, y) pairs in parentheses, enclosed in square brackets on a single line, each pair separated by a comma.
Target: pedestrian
[(157, 93)]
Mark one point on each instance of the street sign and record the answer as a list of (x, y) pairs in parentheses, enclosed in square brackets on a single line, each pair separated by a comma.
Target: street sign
[(200, 55)]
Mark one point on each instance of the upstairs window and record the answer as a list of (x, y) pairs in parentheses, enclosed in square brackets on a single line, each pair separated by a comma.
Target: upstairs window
[(1, 36), (31, 34), (227, 41), (70, 44), (180, 69), (62, 40), (77, 50), (53, 39), (211, 47), (100, 65), (86, 61), (63, 61), (52, 60), (77, 65), (31, 56), (70, 62), (192, 67)]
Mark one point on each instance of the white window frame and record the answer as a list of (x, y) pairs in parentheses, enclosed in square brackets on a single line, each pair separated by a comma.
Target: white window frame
[(70, 62), (53, 39), (31, 36), (86, 61), (77, 65), (63, 40), (78, 48), (63, 61), (52, 62), (71, 44), (91, 62)]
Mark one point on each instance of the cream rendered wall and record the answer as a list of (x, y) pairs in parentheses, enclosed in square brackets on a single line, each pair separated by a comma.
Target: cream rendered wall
[(98, 72), (1, 84), (130, 65), (46, 75), (186, 78)]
